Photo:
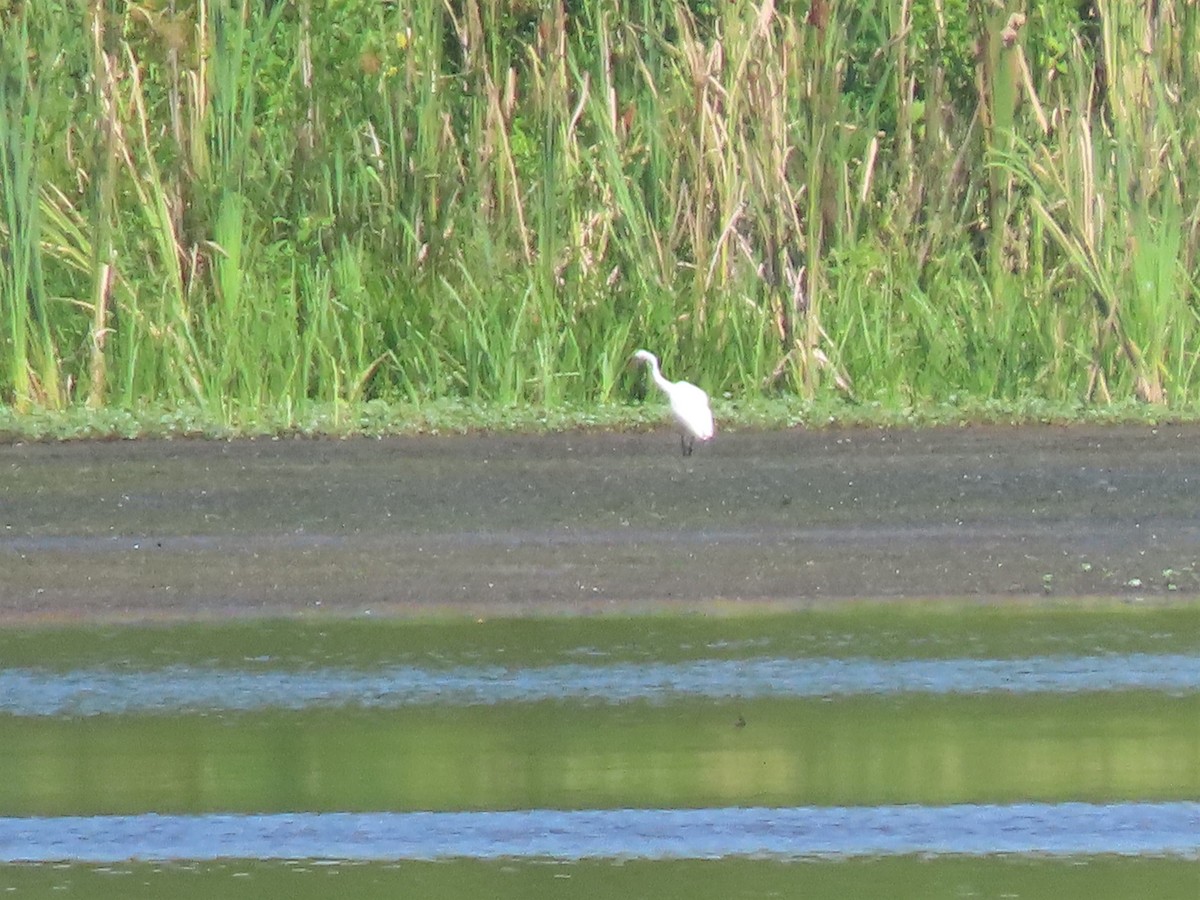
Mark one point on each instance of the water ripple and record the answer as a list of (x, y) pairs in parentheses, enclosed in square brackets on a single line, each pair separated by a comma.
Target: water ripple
[(32, 692), (1161, 829)]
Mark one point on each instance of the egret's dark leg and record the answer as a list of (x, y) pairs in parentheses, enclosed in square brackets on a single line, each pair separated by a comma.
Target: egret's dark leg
[(685, 443)]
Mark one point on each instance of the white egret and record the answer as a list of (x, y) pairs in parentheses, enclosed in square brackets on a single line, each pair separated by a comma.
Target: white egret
[(689, 404)]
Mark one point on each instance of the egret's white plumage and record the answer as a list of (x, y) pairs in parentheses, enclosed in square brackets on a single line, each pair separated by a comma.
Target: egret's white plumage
[(689, 404)]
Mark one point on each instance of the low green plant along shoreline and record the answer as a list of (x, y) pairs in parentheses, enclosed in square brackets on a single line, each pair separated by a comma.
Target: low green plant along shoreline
[(219, 216), (376, 418)]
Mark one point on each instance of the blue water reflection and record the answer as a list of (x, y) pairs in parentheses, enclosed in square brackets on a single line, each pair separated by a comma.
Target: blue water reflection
[(1163, 829), (29, 692)]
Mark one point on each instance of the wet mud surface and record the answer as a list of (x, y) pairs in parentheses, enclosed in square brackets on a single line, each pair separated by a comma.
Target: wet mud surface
[(595, 522)]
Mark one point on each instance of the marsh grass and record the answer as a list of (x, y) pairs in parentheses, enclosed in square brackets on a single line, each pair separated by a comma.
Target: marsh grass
[(1110, 195), (28, 355), (260, 211)]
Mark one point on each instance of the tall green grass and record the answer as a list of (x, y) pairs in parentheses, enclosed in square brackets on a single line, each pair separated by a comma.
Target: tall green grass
[(254, 208), (28, 355)]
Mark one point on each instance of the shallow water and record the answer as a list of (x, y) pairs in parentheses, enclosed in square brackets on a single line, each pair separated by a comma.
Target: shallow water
[(1127, 829), (1011, 748), (26, 692), (754, 742), (927, 878)]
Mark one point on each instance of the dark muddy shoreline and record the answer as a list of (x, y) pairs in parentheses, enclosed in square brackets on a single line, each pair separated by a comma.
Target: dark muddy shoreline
[(596, 522)]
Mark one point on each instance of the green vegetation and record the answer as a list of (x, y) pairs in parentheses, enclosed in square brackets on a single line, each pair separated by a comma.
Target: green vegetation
[(221, 215)]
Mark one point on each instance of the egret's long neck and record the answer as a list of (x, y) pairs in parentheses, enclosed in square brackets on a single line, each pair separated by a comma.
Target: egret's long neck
[(657, 375)]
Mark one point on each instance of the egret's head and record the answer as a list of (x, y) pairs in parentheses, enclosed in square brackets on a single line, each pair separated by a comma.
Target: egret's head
[(643, 357)]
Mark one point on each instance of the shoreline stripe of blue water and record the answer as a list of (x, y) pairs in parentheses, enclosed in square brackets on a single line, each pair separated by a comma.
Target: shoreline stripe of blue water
[(1067, 829), (35, 692)]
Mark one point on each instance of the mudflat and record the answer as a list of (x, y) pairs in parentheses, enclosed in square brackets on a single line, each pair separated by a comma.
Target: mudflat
[(592, 522)]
